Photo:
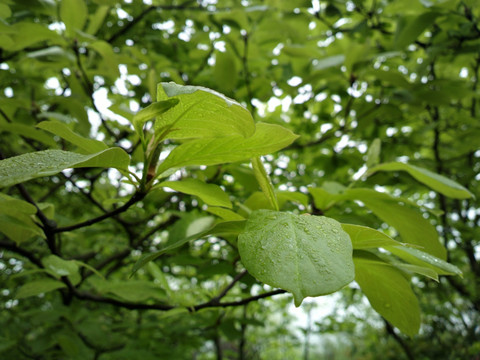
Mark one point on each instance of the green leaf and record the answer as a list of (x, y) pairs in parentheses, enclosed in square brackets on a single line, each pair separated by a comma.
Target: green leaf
[(91, 268), (28, 132), (388, 292), (373, 153), (97, 19), (435, 181), (225, 214), (305, 255), (59, 267), (267, 139), (223, 229), (131, 291), (225, 71), (150, 112), (211, 194), (328, 62), (421, 258), (16, 220), (52, 54), (90, 146), (39, 287), (413, 28), (73, 13), (25, 34), (9, 205), (410, 224), (29, 166), (367, 238), (422, 270), (19, 227), (202, 113), (264, 182), (109, 64)]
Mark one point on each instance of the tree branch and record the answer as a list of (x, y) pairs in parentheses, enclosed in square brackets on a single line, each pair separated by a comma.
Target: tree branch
[(134, 199), (11, 246)]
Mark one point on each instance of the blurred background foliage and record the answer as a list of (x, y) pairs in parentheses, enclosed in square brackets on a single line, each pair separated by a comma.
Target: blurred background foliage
[(341, 74)]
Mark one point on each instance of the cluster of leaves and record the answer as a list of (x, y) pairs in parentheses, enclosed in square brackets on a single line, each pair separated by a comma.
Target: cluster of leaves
[(186, 228)]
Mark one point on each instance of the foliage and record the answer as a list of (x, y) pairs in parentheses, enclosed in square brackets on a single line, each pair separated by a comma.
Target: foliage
[(236, 120)]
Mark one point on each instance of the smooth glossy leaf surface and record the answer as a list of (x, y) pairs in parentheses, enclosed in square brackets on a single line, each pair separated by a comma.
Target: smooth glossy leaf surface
[(268, 138), (410, 224), (201, 113), (364, 237), (211, 194), (151, 111), (39, 287), (90, 146), (303, 254), (435, 181), (388, 292), (422, 270), (421, 258), (29, 166)]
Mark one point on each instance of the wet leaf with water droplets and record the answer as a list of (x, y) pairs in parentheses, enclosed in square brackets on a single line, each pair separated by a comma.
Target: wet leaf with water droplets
[(305, 255), (267, 139), (388, 291), (29, 166), (201, 113)]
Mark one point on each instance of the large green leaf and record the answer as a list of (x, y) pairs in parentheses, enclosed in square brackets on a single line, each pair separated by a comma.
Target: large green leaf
[(268, 138), (410, 224), (364, 237), (388, 291), (90, 146), (305, 255), (28, 132), (39, 287), (73, 14), (201, 113), (29, 166), (435, 181), (211, 194), (16, 220), (421, 258), (150, 112)]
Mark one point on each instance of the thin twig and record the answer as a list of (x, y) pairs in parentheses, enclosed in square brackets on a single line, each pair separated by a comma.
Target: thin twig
[(134, 199)]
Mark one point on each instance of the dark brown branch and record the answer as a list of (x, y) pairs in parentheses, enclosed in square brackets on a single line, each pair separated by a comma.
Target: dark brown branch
[(11, 246), (240, 302), (48, 225), (164, 307), (5, 116), (131, 24), (145, 12), (216, 299), (134, 199), (399, 340)]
